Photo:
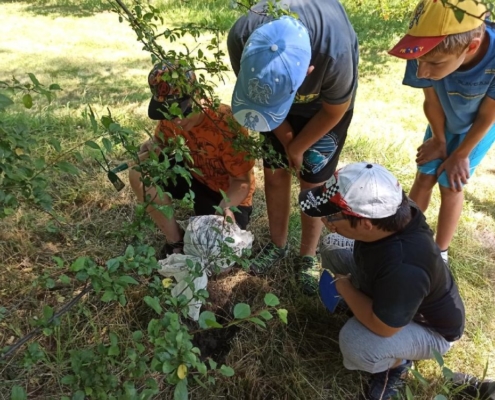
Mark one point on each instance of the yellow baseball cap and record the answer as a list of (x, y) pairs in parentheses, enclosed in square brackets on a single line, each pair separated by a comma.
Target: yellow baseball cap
[(432, 21)]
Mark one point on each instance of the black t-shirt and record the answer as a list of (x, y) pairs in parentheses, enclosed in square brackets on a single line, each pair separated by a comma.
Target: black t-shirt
[(334, 52), (407, 280)]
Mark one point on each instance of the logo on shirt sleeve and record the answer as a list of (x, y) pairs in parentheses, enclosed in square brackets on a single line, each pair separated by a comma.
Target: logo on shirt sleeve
[(308, 98)]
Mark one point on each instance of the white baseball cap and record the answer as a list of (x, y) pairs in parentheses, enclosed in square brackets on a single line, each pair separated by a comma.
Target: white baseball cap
[(361, 189)]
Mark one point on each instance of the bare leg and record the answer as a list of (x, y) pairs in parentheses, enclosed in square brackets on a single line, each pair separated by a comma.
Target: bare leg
[(421, 190), (311, 228), (277, 193), (169, 227), (450, 211)]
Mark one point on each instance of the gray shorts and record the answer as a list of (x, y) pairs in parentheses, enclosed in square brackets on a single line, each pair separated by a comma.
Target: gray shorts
[(362, 349)]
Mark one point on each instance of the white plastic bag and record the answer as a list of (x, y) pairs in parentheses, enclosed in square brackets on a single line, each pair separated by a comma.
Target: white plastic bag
[(203, 241)]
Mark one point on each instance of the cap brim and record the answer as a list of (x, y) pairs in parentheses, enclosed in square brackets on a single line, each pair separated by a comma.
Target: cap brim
[(309, 203), (412, 47), (328, 292), (258, 117)]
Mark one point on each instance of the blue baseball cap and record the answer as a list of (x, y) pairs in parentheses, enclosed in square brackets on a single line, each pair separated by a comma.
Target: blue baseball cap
[(328, 292), (274, 64)]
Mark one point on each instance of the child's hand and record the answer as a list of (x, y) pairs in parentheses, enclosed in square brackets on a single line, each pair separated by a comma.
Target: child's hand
[(228, 216), (431, 149), (149, 145), (457, 170)]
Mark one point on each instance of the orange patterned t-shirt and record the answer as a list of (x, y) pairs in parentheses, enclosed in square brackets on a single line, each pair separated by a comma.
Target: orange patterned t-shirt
[(210, 144)]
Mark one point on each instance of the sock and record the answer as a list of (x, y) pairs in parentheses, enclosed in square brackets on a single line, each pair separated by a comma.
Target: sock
[(445, 255)]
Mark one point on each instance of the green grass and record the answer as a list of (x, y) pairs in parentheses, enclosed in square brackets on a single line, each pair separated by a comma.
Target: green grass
[(97, 61)]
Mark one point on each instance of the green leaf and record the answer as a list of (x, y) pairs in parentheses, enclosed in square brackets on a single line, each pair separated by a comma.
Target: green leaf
[(92, 144), (213, 324), (106, 120), (167, 367), (226, 371), (440, 397), (266, 315), (108, 145), (127, 279), (258, 321), (27, 100), (59, 261), (409, 394), (459, 14), (55, 144), (206, 315), (18, 393), (154, 303), (79, 264), (113, 351), (50, 283), (447, 373), (180, 392), (419, 378), (5, 101), (109, 295), (201, 367), (198, 381), (213, 364), (92, 119), (79, 395), (114, 339), (137, 336), (242, 310), (68, 380), (47, 312), (438, 357), (54, 86), (271, 300), (282, 314), (67, 167), (34, 80), (8, 211), (64, 279)]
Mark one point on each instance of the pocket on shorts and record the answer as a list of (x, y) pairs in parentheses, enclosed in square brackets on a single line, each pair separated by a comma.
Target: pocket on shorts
[(320, 154)]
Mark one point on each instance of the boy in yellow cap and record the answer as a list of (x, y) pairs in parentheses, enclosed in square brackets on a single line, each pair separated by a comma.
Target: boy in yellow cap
[(451, 56)]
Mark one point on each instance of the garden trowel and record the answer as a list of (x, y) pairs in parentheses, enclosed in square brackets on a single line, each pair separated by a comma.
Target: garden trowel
[(112, 174)]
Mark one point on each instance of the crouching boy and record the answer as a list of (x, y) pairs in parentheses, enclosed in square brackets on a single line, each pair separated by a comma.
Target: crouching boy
[(403, 297), (209, 134)]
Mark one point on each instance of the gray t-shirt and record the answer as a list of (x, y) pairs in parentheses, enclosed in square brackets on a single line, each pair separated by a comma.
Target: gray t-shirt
[(335, 53)]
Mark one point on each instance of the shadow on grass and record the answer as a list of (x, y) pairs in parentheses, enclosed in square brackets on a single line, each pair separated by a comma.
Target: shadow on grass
[(215, 13), (64, 8), (487, 207), (103, 82)]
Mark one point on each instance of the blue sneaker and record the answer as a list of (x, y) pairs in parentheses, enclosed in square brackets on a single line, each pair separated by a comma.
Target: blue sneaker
[(385, 385)]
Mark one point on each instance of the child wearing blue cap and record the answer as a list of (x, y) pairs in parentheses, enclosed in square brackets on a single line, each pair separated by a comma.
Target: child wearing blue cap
[(405, 302), (296, 83)]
